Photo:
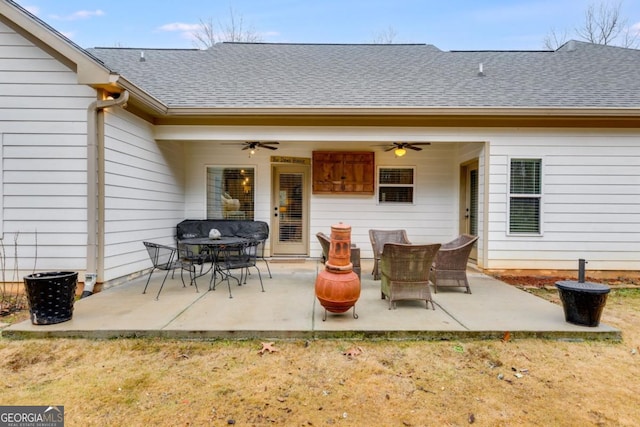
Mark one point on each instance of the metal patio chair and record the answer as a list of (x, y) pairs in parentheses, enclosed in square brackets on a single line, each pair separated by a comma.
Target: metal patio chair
[(260, 255), (166, 258), (237, 256), (195, 258)]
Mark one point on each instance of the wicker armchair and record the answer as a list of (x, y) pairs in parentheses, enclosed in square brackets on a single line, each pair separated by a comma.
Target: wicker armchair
[(405, 272), (378, 239), (325, 242), (450, 266)]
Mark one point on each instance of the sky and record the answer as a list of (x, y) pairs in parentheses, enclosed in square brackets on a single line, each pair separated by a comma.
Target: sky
[(447, 24)]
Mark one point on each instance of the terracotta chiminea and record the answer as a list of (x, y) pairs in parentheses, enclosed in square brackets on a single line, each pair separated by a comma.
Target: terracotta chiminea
[(337, 286)]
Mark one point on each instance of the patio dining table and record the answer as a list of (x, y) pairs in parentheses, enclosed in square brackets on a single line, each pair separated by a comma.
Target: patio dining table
[(215, 247)]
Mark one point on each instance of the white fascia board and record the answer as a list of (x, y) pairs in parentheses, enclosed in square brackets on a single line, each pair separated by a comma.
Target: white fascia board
[(305, 133), (400, 111), (143, 97)]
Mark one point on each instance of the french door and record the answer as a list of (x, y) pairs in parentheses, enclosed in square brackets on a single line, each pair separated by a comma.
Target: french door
[(290, 210), (469, 216)]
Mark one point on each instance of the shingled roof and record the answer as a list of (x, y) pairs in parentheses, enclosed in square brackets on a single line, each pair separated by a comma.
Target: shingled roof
[(263, 75)]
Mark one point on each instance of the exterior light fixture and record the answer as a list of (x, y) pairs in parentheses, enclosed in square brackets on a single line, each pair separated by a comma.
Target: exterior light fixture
[(399, 152)]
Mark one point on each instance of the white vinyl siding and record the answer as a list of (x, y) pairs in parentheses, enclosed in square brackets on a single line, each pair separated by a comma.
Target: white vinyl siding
[(143, 193), (591, 188), (431, 218), (43, 114), (591, 201)]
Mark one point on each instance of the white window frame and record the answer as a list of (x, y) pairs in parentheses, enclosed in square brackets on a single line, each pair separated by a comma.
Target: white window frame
[(378, 185), (511, 196)]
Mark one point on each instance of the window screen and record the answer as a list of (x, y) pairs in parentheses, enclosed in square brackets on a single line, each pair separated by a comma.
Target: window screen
[(230, 192)]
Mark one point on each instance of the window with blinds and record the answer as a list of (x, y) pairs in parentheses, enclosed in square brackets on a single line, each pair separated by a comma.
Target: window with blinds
[(290, 207), (525, 184), (396, 185)]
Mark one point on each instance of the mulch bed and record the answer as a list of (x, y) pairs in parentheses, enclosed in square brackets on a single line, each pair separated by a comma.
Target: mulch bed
[(550, 281)]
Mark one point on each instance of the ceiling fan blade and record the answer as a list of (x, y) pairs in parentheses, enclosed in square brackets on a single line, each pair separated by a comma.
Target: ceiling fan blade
[(269, 143), (411, 147), (419, 143), (268, 147), (391, 148)]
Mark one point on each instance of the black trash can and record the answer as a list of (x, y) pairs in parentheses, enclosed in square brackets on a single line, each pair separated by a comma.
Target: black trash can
[(51, 296), (582, 302)]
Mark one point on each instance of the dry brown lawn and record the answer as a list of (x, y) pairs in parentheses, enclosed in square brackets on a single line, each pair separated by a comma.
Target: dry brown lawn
[(145, 382)]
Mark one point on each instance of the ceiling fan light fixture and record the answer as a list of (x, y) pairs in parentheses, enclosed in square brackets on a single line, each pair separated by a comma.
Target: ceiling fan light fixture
[(399, 152)]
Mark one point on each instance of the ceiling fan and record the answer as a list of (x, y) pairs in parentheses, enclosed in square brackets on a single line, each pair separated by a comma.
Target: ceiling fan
[(254, 145), (400, 148)]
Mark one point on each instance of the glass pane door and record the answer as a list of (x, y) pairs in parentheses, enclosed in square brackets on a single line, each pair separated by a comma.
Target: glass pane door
[(290, 207), (290, 219)]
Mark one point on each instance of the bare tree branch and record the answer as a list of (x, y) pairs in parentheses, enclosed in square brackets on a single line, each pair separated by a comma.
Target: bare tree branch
[(233, 30), (631, 36), (603, 24), (205, 35), (387, 36), (553, 40)]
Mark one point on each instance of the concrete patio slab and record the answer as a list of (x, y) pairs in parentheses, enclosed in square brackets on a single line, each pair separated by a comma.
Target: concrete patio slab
[(289, 309)]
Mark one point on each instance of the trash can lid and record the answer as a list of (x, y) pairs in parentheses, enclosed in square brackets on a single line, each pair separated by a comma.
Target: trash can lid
[(589, 287)]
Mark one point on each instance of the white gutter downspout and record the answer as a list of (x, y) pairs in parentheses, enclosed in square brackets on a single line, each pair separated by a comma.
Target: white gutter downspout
[(95, 140)]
